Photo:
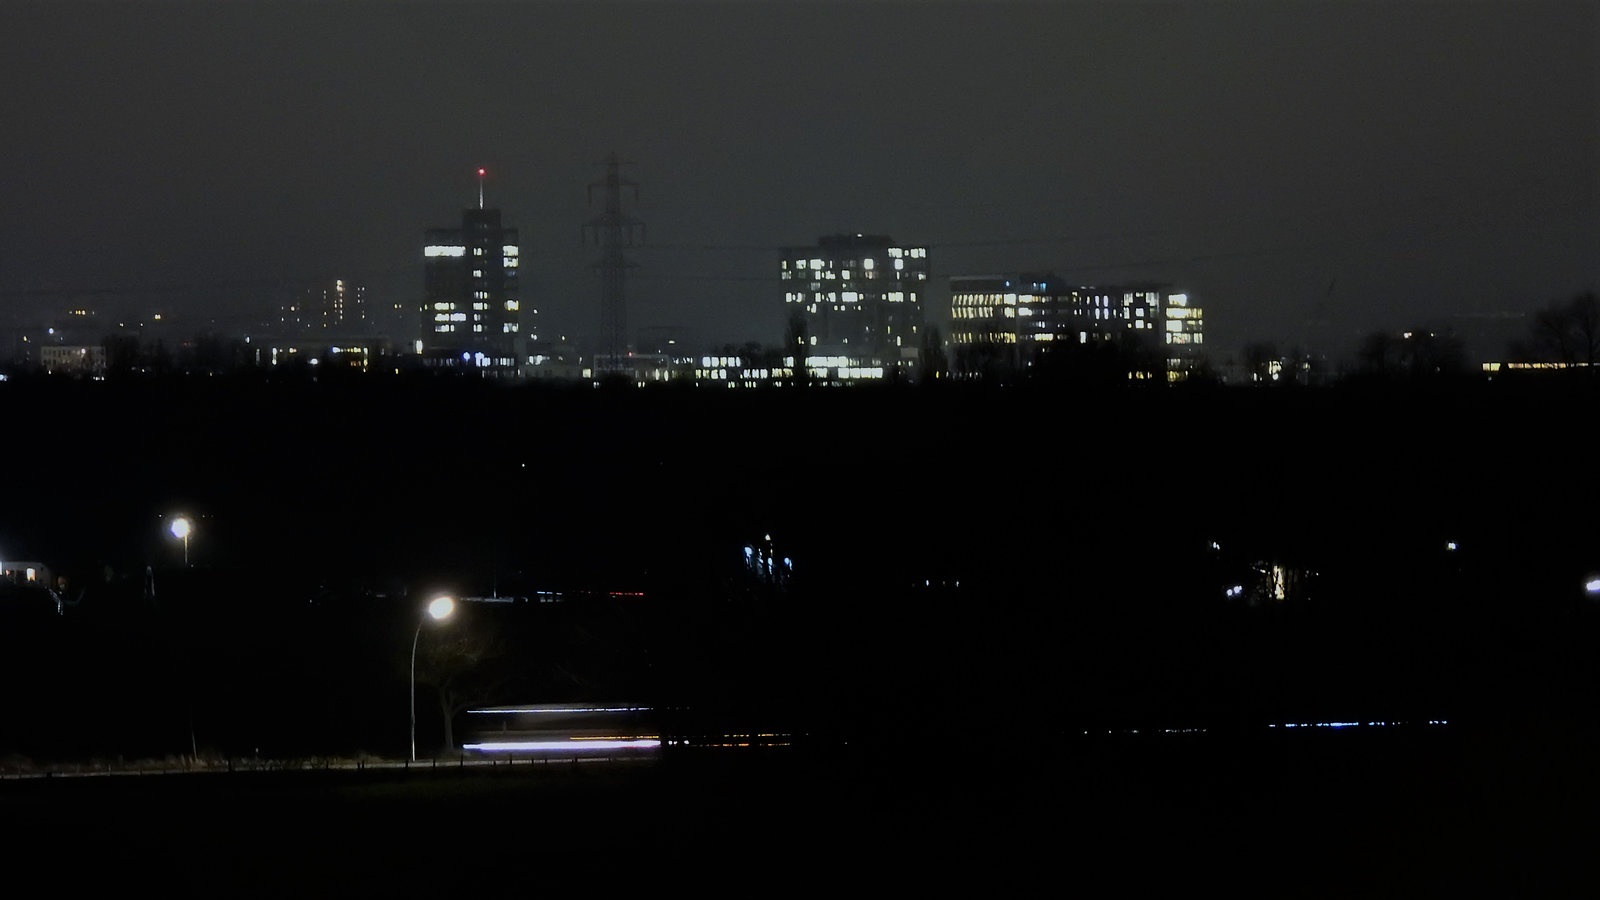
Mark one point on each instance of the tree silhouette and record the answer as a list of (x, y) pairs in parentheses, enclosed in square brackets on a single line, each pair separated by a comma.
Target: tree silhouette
[(934, 364), (465, 662), (797, 340), (1569, 332), (1264, 362), (1418, 353)]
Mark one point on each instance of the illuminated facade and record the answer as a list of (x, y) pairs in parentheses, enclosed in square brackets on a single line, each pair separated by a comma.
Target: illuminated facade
[(860, 300), (1013, 322), (74, 360), (703, 371), (1183, 335), (335, 307), (472, 311)]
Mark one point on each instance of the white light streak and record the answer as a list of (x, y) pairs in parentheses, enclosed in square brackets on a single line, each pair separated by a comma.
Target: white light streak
[(563, 746)]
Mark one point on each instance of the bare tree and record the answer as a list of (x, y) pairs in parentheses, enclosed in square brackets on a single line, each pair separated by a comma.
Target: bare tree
[(1419, 353), (1569, 332), (1264, 362), (797, 340), (933, 362), (466, 665)]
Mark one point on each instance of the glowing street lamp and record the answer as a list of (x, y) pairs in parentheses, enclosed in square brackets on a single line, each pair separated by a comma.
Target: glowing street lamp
[(181, 528), (439, 608)]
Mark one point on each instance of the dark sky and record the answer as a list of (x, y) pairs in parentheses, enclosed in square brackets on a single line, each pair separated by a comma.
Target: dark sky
[(1303, 168)]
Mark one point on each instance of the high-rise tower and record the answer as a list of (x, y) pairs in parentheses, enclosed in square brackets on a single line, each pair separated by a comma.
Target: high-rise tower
[(472, 311)]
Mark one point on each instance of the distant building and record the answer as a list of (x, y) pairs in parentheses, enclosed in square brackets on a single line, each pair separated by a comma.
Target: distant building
[(25, 572), (333, 308), (702, 371), (731, 371), (1010, 323), (552, 361), (58, 359), (858, 300), (356, 354), (472, 314)]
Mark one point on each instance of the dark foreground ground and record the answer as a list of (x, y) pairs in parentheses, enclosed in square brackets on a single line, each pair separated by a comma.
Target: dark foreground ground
[(1321, 814)]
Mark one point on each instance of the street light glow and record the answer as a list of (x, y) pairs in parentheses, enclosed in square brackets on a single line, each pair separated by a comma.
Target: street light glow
[(441, 607), (438, 608), (181, 528)]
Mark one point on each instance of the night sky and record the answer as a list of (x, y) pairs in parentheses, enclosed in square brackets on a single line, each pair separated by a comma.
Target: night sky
[(1309, 171)]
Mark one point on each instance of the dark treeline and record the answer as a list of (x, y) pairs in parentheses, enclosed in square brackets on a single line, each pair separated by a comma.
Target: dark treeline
[(965, 560)]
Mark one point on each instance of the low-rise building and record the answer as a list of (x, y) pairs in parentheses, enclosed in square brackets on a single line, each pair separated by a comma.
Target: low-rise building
[(1004, 325)]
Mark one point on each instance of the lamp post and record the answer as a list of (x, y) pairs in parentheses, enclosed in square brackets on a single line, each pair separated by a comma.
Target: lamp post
[(439, 608), (181, 528)]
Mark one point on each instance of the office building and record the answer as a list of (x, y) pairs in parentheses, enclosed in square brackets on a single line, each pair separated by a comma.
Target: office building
[(857, 301), (471, 314), (1007, 324)]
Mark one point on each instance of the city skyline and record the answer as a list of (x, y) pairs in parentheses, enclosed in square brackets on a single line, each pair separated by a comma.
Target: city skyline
[(1308, 172)]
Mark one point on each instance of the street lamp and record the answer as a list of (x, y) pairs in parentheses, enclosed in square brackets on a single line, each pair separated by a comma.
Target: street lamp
[(181, 528), (438, 608)]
